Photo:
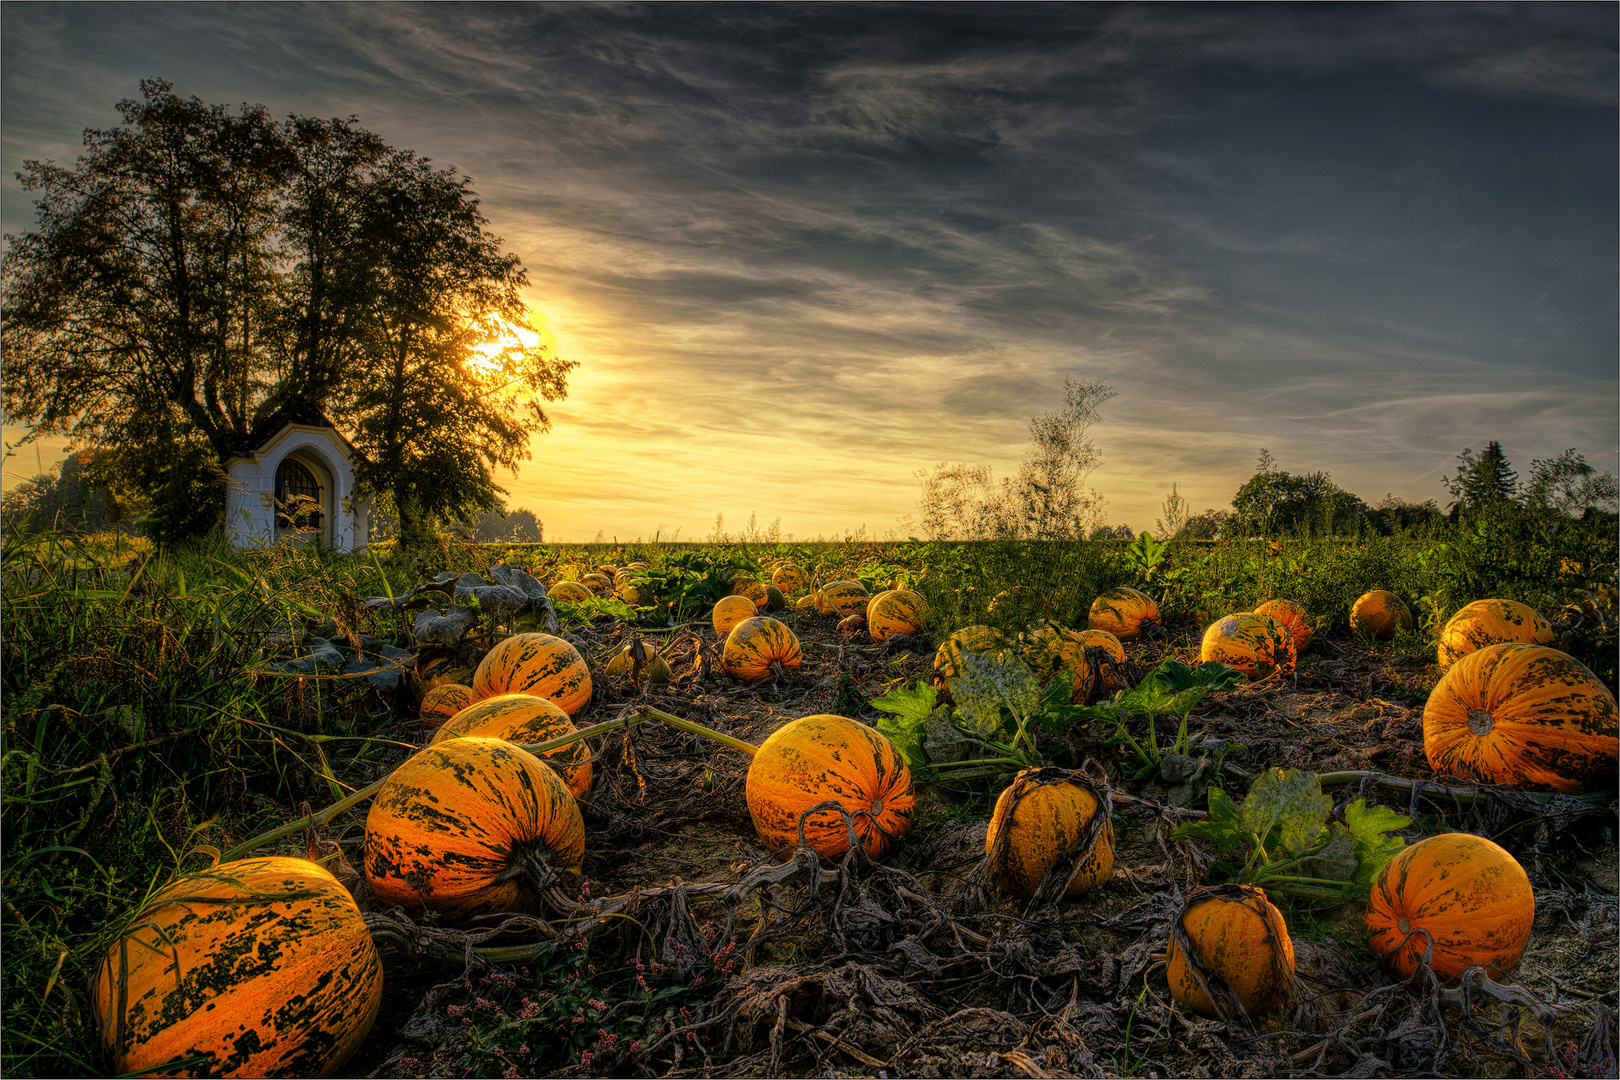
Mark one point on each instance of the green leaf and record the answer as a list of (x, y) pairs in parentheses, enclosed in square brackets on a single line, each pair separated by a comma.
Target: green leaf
[(990, 682), (1291, 801), (911, 709), (1224, 825), (1174, 687), (1337, 859), (1374, 849)]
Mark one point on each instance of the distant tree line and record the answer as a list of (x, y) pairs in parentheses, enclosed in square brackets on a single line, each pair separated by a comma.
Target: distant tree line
[(201, 269)]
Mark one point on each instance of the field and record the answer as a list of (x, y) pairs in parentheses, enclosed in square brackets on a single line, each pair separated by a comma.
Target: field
[(164, 709)]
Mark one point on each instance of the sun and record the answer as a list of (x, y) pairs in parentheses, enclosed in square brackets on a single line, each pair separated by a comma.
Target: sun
[(487, 354)]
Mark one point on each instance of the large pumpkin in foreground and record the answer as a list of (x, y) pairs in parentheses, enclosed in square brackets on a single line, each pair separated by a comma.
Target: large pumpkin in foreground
[(1491, 622), (842, 597), (1458, 894), (761, 647), (471, 827), (1524, 716), (1256, 645), (815, 759), (1124, 612), (259, 967), (537, 664), (1242, 946), (524, 719), (1380, 613), (1047, 819)]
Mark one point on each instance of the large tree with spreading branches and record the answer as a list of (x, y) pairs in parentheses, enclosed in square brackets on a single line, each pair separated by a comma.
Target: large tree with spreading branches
[(200, 268)]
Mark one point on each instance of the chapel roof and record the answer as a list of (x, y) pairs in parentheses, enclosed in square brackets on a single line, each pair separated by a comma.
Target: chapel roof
[(268, 426)]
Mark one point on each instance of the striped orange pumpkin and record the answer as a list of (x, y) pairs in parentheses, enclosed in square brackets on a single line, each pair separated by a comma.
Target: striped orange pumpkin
[(1293, 617), (570, 592), (1380, 613), (897, 611), (730, 611), (1050, 649), (843, 597), (790, 578), (1241, 942), (438, 668), (822, 758), (1046, 817), (1459, 897), (1524, 716), (1254, 644), (599, 584), (471, 827), (975, 639), (443, 702), (258, 967), (538, 664), (1108, 677), (760, 647), (1491, 622), (1124, 612), (524, 718)]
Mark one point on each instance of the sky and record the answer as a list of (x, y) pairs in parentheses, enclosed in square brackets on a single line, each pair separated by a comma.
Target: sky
[(802, 252)]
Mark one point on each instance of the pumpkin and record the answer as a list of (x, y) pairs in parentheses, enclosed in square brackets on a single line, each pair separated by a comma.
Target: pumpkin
[(1093, 659), (852, 625), (948, 658), (1230, 947), (1046, 821), (758, 648), (1491, 622), (524, 718), (599, 584), (260, 967), (443, 702), (817, 759), (634, 595), (790, 578), (1459, 898), (1254, 644), (570, 592), (1124, 612), (471, 826), (1380, 614), (843, 597), (807, 602), (730, 611), (1050, 649), (1293, 617), (774, 600), (537, 664), (439, 669), (897, 611), (1524, 716)]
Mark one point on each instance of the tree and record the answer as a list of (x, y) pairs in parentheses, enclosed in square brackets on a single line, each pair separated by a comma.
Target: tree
[(1273, 502), (1482, 480), (199, 268), (518, 526), (1176, 510), (1567, 485), (1205, 526), (1392, 514), (433, 414), (1047, 500)]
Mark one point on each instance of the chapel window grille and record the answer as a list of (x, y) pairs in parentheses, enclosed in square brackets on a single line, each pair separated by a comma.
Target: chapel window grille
[(295, 484)]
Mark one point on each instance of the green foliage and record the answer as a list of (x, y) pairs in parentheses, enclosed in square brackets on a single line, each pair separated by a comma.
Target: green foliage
[(1275, 503), (687, 584), (1173, 687), (1291, 845)]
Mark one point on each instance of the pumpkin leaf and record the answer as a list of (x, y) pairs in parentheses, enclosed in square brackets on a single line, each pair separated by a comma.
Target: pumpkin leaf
[(1224, 825), (1374, 848), (1290, 801), (1337, 859), (910, 709), (990, 682)]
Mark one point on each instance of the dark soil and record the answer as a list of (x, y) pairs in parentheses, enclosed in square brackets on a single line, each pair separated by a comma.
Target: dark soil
[(913, 968)]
